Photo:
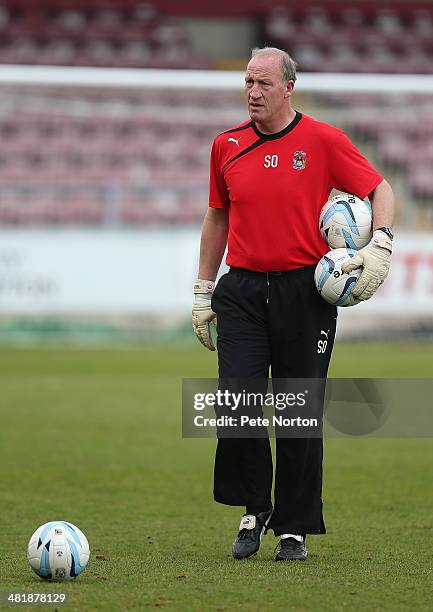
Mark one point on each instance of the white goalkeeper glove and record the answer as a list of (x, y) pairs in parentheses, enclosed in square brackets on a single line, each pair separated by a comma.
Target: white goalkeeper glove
[(202, 313), (375, 258)]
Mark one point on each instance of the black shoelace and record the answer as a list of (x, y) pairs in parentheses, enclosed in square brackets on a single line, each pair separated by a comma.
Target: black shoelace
[(244, 534)]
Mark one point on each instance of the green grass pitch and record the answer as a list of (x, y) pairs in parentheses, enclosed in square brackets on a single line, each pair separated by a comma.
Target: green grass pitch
[(92, 436)]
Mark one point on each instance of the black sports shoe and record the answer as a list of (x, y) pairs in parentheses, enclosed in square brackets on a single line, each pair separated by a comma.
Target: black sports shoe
[(251, 529), (289, 549)]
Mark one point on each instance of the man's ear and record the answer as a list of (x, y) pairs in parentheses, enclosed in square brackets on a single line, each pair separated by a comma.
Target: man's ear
[(289, 89)]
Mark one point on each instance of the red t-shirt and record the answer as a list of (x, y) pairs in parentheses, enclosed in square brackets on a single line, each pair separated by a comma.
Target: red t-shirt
[(275, 185)]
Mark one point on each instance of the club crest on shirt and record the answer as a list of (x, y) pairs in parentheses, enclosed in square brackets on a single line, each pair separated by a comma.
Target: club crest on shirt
[(299, 160)]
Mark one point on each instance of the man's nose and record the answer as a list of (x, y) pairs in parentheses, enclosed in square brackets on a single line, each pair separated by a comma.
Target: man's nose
[(255, 91)]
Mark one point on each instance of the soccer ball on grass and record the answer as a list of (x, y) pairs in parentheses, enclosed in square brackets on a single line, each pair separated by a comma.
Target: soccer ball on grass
[(58, 551)]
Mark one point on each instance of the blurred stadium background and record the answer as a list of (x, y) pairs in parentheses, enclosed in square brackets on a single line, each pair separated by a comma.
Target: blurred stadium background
[(104, 150)]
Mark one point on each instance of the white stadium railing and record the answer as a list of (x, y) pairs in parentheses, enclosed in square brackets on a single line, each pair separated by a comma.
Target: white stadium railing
[(206, 79)]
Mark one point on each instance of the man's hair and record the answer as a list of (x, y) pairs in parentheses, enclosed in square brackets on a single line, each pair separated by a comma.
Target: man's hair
[(288, 65)]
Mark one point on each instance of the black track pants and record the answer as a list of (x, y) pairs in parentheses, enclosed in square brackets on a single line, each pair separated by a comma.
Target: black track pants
[(273, 320)]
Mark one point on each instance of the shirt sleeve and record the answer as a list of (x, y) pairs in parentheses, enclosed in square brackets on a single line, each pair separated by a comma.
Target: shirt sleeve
[(350, 171), (218, 192)]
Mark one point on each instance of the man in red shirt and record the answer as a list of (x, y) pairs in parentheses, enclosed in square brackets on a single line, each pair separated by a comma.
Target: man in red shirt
[(269, 178)]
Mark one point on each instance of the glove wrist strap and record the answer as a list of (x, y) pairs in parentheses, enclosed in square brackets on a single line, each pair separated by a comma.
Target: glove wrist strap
[(204, 286), (382, 240)]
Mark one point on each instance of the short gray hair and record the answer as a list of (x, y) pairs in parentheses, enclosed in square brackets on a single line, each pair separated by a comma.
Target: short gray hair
[(288, 65)]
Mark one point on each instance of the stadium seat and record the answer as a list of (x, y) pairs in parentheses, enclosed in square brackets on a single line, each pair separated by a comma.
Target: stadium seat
[(279, 23), (388, 23), (422, 24)]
